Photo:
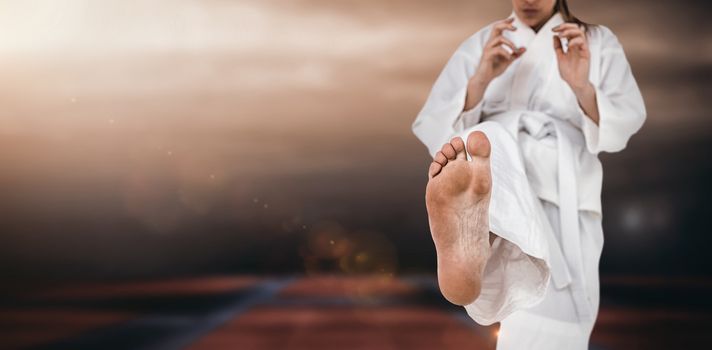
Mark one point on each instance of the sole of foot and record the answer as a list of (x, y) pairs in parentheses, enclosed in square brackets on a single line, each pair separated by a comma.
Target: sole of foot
[(457, 199)]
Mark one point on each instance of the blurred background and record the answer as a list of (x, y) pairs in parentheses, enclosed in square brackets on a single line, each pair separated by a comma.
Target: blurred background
[(242, 174)]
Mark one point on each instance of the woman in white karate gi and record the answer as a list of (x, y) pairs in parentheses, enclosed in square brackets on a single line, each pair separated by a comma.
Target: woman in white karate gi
[(515, 122)]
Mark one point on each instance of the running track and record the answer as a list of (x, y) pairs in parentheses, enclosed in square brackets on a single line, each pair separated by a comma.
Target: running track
[(322, 312)]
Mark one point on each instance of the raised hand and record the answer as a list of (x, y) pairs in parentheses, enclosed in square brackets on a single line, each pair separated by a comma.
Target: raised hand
[(574, 64), (495, 59)]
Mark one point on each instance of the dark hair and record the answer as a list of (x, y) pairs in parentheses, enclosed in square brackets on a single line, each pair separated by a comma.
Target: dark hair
[(562, 7)]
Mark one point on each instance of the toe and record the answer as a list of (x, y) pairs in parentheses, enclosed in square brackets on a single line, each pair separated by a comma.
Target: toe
[(449, 151), (434, 169), (459, 146), (478, 145), (440, 158)]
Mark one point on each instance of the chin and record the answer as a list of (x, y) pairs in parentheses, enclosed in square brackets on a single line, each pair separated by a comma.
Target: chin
[(529, 18), (531, 22)]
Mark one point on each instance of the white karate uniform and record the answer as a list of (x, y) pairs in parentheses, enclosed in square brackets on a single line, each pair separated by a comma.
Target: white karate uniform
[(541, 280)]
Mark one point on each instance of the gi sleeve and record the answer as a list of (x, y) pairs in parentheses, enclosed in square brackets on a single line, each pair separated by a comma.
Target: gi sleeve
[(620, 105), (469, 117), (442, 116)]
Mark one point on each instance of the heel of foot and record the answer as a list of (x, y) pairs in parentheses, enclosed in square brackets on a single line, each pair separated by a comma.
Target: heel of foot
[(461, 291), (460, 275)]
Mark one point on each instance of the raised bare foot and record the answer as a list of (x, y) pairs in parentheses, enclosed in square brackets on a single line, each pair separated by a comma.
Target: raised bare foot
[(457, 198)]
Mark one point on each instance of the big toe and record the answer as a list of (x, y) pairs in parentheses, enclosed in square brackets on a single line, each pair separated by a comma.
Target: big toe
[(478, 144)]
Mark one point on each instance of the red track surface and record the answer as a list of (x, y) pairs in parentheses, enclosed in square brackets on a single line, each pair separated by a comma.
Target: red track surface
[(311, 313)]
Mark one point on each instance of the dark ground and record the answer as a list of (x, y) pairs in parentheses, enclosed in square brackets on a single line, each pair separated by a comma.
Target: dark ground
[(322, 312)]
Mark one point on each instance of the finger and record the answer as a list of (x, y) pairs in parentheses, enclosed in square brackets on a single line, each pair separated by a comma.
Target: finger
[(578, 43), (500, 52), (500, 40), (564, 26), (570, 33), (518, 52), (440, 158), (499, 27), (558, 48)]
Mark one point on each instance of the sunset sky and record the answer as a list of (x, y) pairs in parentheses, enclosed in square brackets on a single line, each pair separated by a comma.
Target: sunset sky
[(160, 137)]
